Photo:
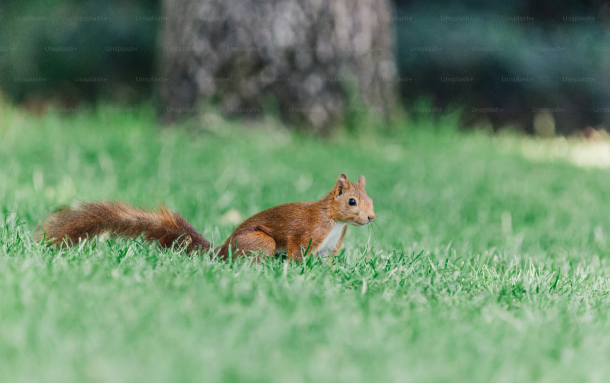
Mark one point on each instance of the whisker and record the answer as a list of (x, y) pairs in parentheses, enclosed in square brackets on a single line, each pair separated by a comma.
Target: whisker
[(379, 227), (371, 231)]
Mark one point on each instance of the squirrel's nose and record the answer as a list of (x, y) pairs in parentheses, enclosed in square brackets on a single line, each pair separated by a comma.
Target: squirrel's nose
[(371, 218)]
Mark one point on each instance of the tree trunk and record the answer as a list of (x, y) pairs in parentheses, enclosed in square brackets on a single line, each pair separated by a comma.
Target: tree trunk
[(309, 57)]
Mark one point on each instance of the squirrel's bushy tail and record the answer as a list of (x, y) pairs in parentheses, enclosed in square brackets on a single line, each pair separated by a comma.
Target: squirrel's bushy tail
[(95, 218)]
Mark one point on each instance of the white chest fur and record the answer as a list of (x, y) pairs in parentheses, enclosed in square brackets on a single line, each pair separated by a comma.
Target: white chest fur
[(330, 242)]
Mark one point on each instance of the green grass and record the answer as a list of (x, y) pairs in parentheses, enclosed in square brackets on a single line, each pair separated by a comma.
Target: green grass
[(484, 266)]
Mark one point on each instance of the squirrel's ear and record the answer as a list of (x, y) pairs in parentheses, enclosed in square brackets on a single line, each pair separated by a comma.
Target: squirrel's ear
[(342, 183), (361, 181)]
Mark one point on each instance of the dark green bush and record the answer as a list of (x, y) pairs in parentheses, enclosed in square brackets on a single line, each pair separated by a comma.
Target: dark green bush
[(73, 50)]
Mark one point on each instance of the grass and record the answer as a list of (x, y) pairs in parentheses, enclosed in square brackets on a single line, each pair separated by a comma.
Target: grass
[(484, 266)]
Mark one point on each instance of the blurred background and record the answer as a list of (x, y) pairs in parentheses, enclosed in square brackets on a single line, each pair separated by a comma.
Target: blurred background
[(540, 67)]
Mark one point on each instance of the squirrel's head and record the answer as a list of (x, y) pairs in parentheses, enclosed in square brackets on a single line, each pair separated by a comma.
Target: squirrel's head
[(350, 203)]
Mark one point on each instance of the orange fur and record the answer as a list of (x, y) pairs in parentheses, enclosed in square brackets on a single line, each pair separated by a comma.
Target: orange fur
[(91, 219), (285, 228)]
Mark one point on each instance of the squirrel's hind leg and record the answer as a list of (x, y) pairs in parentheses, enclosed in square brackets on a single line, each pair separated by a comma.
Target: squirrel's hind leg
[(255, 243)]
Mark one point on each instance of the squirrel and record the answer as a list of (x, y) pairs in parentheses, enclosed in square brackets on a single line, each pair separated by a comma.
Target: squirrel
[(293, 228)]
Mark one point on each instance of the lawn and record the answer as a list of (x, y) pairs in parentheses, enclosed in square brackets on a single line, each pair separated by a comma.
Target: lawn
[(484, 266)]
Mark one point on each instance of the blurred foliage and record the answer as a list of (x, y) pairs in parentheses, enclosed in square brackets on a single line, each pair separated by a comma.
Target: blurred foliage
[(515, 56), (77, 50)]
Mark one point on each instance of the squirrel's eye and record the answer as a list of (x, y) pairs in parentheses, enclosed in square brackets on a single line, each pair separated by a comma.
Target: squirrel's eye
[(352, 202)]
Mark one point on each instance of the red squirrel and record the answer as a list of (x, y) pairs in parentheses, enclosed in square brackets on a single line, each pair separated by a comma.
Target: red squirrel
[(292, 228)]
